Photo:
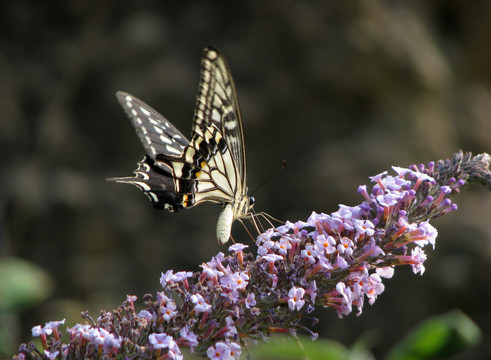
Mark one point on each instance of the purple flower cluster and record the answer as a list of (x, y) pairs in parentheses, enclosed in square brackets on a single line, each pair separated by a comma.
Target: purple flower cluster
[(339, 260), (336, 261)]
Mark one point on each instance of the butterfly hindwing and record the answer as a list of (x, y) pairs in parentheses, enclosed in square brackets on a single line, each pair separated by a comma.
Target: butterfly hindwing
[(157, 185)]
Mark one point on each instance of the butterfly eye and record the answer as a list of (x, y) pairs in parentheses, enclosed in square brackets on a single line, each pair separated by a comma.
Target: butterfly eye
[(251, 201)]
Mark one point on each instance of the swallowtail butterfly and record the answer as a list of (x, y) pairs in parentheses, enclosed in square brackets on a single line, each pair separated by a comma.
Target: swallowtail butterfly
[(177, 173)]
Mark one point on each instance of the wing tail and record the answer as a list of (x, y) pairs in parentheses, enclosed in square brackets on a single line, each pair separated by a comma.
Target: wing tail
[(157, 185)]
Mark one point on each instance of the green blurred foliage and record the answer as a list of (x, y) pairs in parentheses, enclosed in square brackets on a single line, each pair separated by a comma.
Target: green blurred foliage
[(280, 348), (439, 337), (22, 286)]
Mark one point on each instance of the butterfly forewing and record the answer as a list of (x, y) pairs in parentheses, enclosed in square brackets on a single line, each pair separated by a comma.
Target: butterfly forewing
[(217, 105), (157, 135)]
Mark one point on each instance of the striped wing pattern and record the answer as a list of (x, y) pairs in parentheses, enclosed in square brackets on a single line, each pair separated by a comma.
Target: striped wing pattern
[(177, 173)]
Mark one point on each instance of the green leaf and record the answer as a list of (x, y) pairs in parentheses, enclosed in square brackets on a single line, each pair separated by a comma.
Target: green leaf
[(438, 337), (286, 348)]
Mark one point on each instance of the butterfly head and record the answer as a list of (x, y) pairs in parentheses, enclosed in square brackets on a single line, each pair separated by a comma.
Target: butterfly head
[(251, 201), (244, 207)]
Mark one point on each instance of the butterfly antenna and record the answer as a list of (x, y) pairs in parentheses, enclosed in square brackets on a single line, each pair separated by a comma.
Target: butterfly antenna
[(270, 177), (269, 218)]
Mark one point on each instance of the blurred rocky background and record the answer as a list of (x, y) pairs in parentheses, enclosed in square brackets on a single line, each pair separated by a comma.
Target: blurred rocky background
[(341, 90)]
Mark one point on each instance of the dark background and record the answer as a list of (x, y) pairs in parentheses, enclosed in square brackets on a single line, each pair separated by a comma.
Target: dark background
[(340, 89)]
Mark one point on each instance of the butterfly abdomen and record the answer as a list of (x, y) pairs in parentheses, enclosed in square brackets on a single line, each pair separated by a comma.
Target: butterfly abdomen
[(224, 224)]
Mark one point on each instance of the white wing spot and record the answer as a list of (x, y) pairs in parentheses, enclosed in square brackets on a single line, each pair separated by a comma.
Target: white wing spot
[(168, 207), (177, 172), (142, 185), (145, 111), (165, 139), (230, 125), (215, 115), (172, 150), (152, 196), (212, 54), (143, 175), (129, 101), (158, 130)]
